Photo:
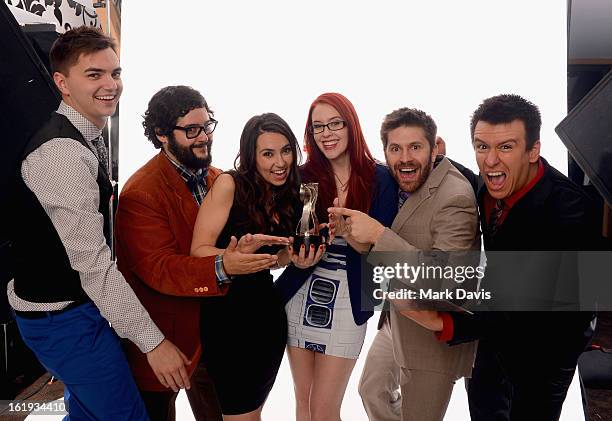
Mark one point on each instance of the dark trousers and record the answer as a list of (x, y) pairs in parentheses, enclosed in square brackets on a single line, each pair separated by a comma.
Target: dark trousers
[(528, 391), (160, 405), (202, 399)]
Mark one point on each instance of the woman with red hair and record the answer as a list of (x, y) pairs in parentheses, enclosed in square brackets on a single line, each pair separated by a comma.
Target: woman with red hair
[(326, 316)]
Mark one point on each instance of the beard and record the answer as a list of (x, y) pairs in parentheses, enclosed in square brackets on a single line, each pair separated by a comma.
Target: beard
[(412, 186), (186, 157)]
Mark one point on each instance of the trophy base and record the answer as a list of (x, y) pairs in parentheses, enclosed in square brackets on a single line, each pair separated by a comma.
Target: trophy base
[(307, 241)]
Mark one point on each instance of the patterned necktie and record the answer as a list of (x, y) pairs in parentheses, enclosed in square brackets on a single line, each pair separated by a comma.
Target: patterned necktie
[(403, 196), (495, 216), (102, 154), (196, 180)]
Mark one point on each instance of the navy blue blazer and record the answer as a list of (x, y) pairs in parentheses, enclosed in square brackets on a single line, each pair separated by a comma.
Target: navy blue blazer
[(383, 209)]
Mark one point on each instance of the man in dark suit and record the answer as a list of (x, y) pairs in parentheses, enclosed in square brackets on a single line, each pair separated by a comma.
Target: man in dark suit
[(154, 225), (525, 360)]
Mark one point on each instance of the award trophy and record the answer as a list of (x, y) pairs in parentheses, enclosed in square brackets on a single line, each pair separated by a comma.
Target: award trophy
[(307, 232)]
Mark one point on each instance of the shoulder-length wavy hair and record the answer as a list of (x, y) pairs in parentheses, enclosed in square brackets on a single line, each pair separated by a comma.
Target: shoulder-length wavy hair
[(253, 192), (318, 168)]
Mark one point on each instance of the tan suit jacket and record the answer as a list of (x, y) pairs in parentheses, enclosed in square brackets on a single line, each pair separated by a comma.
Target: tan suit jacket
[(441, 215)]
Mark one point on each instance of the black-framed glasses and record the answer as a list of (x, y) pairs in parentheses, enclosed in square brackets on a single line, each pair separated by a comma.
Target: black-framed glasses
[(193, 131), (332, 125)]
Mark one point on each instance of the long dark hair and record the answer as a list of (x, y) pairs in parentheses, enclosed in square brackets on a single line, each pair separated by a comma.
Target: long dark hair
[(318, 168), (253, 192)]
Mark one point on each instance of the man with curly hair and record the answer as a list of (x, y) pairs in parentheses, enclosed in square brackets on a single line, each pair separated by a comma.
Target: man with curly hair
[(153, 229)]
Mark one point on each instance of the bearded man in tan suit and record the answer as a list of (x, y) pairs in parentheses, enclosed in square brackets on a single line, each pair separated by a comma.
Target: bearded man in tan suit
[(437, 211)]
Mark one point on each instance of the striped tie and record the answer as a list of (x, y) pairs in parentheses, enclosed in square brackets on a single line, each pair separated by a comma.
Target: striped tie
[(495, 216)]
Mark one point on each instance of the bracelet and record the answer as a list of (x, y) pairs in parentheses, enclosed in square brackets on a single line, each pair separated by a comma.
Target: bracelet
[(222, 277)]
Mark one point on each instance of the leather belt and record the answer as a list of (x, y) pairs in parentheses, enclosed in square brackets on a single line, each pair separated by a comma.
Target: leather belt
[(42, 314)]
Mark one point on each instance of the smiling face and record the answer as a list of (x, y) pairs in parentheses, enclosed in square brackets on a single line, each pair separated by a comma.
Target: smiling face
[(502, 158), (273, 158), (332, 143), (92, 86), (192, 153), (409, 156)]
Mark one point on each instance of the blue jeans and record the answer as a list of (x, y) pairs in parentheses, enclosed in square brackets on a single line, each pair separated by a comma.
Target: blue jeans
[(79, 347)]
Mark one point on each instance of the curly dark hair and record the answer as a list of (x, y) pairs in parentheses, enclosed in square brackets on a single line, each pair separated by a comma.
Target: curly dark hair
[(506, 108), (410, 117), (253, 192), (166, 107), (69, 46)]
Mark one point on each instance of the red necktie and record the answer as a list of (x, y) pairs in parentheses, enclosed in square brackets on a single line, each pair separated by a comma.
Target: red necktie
[(494, 218)]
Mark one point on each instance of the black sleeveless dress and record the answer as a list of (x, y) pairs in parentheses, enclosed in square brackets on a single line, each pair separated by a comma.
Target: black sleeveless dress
[(244, 333)]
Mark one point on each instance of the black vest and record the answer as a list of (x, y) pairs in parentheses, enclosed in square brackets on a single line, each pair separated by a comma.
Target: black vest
[(42, 269)]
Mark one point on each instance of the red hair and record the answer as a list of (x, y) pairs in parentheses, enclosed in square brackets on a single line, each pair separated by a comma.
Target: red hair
[(318, 169)]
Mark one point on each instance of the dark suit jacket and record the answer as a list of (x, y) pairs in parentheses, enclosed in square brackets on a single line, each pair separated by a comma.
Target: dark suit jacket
[(554, 215), (469, 175), (153, 230), (383, 208)]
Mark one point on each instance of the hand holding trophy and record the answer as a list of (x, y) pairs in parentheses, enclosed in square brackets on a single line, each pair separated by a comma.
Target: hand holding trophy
[(308, 244)]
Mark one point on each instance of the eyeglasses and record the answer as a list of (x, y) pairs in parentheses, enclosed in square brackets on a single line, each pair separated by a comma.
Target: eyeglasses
[(191, 132), (332, 125)]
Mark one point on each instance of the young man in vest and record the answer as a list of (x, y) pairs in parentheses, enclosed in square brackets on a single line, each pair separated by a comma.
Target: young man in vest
[(67, 288)]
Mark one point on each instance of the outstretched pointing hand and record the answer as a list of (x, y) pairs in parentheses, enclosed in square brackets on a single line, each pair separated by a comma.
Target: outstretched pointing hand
[(360, 226)]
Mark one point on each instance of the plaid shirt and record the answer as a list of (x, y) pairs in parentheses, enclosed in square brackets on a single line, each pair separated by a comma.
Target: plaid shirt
[(195, 181)]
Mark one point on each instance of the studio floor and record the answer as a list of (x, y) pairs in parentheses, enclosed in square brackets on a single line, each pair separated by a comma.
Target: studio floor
[(281, 403)]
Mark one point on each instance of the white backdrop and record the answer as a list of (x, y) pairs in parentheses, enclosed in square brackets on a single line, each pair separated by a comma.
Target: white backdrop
[(253, 57)]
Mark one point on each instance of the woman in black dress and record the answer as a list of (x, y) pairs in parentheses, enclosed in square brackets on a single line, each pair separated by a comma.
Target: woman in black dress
[(244, 332)]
